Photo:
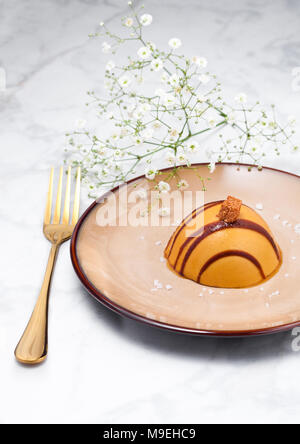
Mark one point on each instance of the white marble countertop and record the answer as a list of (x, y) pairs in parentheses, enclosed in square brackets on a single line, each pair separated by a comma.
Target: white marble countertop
[(103, 368)]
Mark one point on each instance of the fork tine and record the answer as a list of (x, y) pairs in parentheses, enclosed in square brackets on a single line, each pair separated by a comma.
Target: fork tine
[(56, 217), (77, 198), (47, 218), (66, 213)]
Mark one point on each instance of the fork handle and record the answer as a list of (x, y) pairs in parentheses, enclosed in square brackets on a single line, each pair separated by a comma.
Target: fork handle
[(33, 345)]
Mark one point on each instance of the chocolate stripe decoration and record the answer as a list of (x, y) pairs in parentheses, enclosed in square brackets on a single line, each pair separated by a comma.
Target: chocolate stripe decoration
[(228, 253), (217, 226), (189, 219)]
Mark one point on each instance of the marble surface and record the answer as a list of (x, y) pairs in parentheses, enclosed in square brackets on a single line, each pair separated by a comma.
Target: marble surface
[(103, 368)]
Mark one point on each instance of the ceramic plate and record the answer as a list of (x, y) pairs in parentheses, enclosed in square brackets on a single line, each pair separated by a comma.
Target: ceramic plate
[(119, 263)]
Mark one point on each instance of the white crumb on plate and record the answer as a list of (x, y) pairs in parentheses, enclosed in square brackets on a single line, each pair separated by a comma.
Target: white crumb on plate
[(297, 228), (162, 259), (294, 258), (285, 223), (142, 237), (276, 217), (200, 294), (262, 289), (222, 292), (246, 291), (158, 284), (286, 275), (211, 291), (259, 206), (169, 287), (153, 289), (267, 305), (158, 242)]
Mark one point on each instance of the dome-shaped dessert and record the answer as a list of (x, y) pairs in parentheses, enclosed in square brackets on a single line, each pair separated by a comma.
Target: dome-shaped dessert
[(224, 244)]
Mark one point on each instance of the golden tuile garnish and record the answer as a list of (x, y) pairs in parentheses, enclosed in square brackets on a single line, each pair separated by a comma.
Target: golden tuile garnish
[(230, 210)]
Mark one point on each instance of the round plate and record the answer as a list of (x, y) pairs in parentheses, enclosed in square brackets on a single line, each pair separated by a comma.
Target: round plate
[(119, 264)]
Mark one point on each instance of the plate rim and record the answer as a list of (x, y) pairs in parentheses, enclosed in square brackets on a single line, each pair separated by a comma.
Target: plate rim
[(102, 298)]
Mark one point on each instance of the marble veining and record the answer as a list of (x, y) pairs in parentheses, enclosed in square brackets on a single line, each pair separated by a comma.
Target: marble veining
[(103, 368)]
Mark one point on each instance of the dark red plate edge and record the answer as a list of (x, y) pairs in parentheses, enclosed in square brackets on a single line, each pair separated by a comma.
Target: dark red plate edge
[(100, 297)]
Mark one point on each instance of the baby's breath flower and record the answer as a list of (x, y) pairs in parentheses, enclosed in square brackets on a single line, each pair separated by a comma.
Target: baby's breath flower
[(165, 77), (174, 133), (231, 118), (181, 157), (157, 65), (114, 136), (150, 173), (174, 79), (163, 187), (175, 43), (108, 116), (138, 113), (145, 107), (241, 98), (292, 120), (204, 78), (128, 22), (124, 81), (182, 184), (106, 47), (169, 99), (164, 212), (151, 46), (192, 146), (202, 62), (211, 119), (110, 65), (147, 133), (212, 166), (171, 158), (80, 123), (146, 19), (156, 125), (144, 53), (108, 84), (199, 61), (144, 212), (201, 98), (138, 141)]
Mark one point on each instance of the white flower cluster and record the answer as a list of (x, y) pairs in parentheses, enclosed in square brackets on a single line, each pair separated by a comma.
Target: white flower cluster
[(163, 128)]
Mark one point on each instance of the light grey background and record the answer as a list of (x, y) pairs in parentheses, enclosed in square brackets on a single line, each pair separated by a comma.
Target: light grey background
[(102, 368)]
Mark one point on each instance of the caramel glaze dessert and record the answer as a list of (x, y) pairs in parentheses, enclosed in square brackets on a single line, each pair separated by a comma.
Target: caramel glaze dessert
[(224, 244)]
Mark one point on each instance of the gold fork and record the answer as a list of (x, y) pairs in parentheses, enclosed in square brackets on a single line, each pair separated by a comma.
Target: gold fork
[(33, 345)]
